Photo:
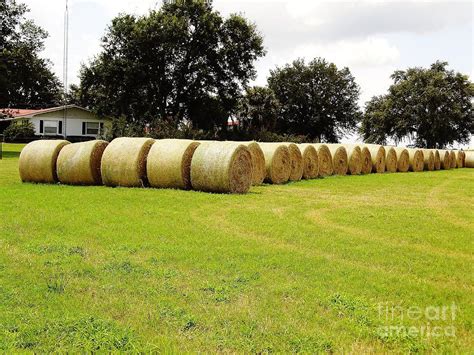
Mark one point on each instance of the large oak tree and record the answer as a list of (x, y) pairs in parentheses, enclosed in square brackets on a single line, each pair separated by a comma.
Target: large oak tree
[(317, 99), (432, 107), (183, 63)]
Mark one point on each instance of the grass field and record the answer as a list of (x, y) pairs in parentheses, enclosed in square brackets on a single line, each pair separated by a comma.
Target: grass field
[(360, 263)]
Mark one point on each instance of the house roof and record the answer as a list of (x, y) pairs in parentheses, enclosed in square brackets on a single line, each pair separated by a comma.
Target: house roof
[(15, 113)]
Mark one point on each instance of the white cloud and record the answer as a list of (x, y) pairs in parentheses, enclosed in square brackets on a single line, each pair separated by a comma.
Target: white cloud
[(88, 21), (367, 52), (335, 19), (370, 60), (357, 34)]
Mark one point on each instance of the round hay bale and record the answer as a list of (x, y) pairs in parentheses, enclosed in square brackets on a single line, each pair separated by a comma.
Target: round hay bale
[(366, 160), (416, 159), (469, 159), (168, 164), (258, 162), (429, 160), (38, 160), (277, 162), (310, 161), (377, 153), (390, 159), (354, 155), (437, 159), (258, 159), (459, 158), (339, 158), (222, 167), (79, 163), (325, 163), (452, 159), (296, 159), (403, 159), (124, 162), (445, 158)]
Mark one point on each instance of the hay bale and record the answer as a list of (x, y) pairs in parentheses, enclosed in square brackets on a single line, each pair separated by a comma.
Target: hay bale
[(452, 158), (437, 159), (258, 162), (79, 163), (168, 164), (459, 158), (296, 159), (354, 158), (390, 159), (124, 162), (325, 163), (339, 158), (365, 157), (469, 159), (377, 153), (277, 162), (224, 167), (38, 160), (416, 159), (445, 158), (258, 159), (429, 160), (310, 161), (366, 160), (403, 159)]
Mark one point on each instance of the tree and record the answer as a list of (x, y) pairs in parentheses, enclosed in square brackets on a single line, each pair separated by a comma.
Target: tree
[(433, 107), (26, 80), (374, 124), (171, 64), (259, 109), (317, 100)]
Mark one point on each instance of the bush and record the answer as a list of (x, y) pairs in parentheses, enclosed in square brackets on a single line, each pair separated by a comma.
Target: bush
[(161, 129), (239, 134), (17, 131), (157, 130), (122, 128)]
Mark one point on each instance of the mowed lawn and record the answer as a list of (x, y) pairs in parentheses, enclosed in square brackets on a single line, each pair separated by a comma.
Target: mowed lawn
[(308, 266)]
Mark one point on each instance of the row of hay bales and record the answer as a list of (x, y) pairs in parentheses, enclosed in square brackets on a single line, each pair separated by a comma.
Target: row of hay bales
[(215, 166)]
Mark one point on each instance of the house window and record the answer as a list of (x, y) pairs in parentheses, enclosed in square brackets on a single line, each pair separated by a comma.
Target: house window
[(92, 128), (50, 127)]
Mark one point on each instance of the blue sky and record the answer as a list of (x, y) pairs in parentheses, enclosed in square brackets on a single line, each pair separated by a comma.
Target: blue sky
[(373, 38)]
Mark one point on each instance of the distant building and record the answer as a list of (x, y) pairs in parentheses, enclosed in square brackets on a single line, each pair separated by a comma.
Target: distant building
[(233, 122), (79, 123)]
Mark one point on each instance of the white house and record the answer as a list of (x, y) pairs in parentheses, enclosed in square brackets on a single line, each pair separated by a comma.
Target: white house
[(67, 121)]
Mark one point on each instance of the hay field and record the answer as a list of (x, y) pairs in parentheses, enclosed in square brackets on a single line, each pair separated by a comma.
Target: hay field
[(305, 266)]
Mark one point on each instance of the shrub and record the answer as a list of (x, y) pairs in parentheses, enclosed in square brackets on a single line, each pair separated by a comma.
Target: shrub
[(122, 128), (16, 131)]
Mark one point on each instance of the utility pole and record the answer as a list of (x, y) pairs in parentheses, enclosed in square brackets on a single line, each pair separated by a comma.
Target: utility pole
[(65, 67)]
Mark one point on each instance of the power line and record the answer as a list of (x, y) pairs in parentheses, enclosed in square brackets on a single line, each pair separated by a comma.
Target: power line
[(65, 67)]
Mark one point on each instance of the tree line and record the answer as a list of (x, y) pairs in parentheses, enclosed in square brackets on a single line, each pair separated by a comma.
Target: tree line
[(184, 71)]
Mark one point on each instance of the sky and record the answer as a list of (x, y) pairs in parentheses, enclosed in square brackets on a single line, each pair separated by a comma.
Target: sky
[(373, 37)]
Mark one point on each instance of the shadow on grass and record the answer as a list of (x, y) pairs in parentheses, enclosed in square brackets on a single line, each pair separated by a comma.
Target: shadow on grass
[(10, 155)]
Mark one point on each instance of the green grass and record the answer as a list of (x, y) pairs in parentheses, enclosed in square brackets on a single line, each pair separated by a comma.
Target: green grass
[(300, 267)]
